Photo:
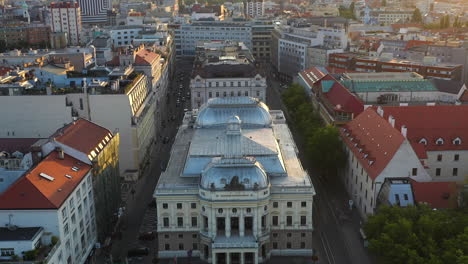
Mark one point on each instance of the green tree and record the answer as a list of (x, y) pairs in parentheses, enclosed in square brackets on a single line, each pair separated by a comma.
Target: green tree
[(326, 151), (417, 17), (351, 7), (418, 234)]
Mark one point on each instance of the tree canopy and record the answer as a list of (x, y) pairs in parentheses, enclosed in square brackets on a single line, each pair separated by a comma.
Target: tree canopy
[(417, 17), (418, 235), (322, 143)]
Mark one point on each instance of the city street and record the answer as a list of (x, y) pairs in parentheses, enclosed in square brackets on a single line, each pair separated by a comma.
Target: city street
[(335, 241), (140, 216)]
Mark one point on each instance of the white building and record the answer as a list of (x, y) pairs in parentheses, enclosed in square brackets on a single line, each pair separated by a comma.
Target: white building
[(254, 8), (188, 36), (54, 203), (421, 143), (225, 69), (127, 104), (234, 190), (123, 36), (66, 18), (292, 47)]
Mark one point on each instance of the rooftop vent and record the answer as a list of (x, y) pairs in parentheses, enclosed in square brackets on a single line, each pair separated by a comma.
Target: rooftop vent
[(75, 169), (47, 177), (68, 176)]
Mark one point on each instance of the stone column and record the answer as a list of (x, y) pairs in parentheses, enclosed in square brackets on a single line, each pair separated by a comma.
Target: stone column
[(242, 258), (256, 257), (213, 258), (228, 258), (255, 225), (228, 226), (212, 223), (241, 225)]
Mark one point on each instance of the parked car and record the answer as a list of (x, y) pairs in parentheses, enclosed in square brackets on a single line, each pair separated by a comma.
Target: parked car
[(147, 236), (165, 140), (135, 252)]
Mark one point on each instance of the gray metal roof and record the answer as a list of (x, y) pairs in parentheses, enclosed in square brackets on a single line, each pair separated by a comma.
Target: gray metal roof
[(217, 111), (232, 174)]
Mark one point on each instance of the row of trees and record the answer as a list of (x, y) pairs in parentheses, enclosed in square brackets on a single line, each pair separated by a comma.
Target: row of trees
[(418, 235), (322, 144)]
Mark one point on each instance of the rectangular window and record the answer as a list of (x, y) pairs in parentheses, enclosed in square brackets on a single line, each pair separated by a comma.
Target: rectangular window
[(181, 246), (194, 221), (439, 157), (275, 204), (5, 252), (289, 220), (303, 220), (167, 247), (288, 245), (438, 171), (274, 220), (81, 103), (405, 196), (165, 205), (414, 172), (180, 221), (455, 172), (303, 204), (456, 157), (193, 205), (275, 245), (65, 229), (210, 94), (246, 93), (166, 221), (217, 94), (198, 94), (302, 244), (179, 205), (194, 246), (258, 93), (224, 94), (289, 204)]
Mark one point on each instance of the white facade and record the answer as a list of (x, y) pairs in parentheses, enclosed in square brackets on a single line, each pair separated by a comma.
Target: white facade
[(203, 89), (77, 236), (132, 114), (66, 18), (188, 35), (255, 9), (123, 36)]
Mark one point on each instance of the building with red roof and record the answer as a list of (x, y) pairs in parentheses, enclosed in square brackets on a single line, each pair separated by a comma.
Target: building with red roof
[(422, 143), (437, 195), (336, 104), (56, 196)]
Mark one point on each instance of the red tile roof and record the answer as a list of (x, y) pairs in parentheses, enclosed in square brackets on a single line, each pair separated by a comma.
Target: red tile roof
[(343, 100), (436, 194), (22, 145), (35, 192), (375, 137), (82, 135), (415, 43), (146, 57), (432, 122), (312, 75)]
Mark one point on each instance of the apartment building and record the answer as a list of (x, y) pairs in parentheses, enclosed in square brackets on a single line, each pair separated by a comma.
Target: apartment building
[(66, 18)]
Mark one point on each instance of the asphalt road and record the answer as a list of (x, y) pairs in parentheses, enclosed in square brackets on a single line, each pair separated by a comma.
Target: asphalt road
[(336, 237), (138, 204)]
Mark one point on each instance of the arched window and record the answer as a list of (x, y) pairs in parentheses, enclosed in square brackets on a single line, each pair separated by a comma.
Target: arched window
[(439, 141), (423, 141), (457, 141)]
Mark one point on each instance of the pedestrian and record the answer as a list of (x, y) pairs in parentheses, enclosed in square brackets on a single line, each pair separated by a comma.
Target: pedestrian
[(175, 260)]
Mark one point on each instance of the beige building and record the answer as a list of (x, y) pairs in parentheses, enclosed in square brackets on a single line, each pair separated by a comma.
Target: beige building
[(234, 190), (66, 18), (225, 69)]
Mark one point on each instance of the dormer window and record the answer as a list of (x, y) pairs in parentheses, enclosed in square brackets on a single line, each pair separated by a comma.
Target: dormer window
[(423, 141), (439, 141), (371, 162), (457, 141), (365, 155)]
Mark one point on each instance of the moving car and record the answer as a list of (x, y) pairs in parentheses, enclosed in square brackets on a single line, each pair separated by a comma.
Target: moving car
[(135, 252)]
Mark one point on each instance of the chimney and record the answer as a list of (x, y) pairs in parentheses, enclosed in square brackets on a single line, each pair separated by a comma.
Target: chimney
[(391, 120), (61, 155), (404, 130)]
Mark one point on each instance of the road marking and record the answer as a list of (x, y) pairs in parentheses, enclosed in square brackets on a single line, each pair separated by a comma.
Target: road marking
[(327, 248)]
